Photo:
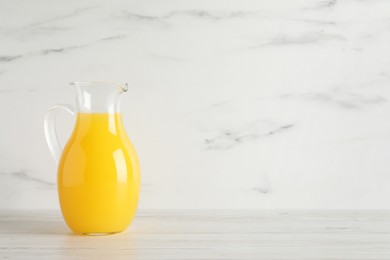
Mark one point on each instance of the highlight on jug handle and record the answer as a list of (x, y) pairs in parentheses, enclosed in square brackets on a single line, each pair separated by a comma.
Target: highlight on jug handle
[(50, 129)]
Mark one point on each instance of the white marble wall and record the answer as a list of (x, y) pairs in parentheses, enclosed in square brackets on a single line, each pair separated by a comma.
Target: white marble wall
[(232, 104)]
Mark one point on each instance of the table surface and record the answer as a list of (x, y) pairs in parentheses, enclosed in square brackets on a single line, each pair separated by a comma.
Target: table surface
[(204, 234)]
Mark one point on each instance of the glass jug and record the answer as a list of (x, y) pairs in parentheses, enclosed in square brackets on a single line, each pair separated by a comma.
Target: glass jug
[(98, 171)]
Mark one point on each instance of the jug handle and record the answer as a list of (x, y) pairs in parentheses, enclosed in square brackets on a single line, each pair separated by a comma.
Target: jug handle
[(50, 129)]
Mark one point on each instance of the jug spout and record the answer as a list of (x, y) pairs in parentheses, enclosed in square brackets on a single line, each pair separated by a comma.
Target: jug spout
[(98, 96)]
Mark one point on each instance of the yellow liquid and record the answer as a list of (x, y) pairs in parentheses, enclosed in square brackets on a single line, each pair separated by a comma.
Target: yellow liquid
[(98, 176)]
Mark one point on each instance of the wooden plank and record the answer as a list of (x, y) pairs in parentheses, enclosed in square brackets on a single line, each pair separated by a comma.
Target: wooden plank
[(204, 234)]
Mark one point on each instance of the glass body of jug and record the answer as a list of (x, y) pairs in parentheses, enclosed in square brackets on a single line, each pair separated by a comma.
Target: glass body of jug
[(98, 169)]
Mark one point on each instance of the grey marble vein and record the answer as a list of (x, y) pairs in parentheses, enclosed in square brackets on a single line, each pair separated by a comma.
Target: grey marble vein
[(26, 176), (280, 129), (228, 139), (263, 190), (47, 26), (201, 14), (317, 22), (322, 5), (140, 17), (328, 3), (63, 49), (65, 16), (213, 15), (114, 37), (6, 90), (341, 99), (48, 51), (325, 4), (303, 39), (10, 58), (5, 59)]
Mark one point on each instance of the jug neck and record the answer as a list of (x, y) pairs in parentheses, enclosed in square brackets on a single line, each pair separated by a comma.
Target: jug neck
[(98, 97)]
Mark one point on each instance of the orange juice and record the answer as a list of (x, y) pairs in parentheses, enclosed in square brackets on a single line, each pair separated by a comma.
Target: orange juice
[(98, 175)]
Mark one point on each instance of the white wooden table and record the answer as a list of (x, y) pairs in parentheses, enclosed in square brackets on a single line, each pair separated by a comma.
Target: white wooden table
[(204, 234)]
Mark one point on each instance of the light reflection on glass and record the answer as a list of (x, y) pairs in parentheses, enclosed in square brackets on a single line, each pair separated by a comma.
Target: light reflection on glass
[(87, 100), (112, 124), (120, 163)]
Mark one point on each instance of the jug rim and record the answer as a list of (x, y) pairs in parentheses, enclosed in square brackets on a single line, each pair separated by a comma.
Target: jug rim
[(123, 87), (92, 82)]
